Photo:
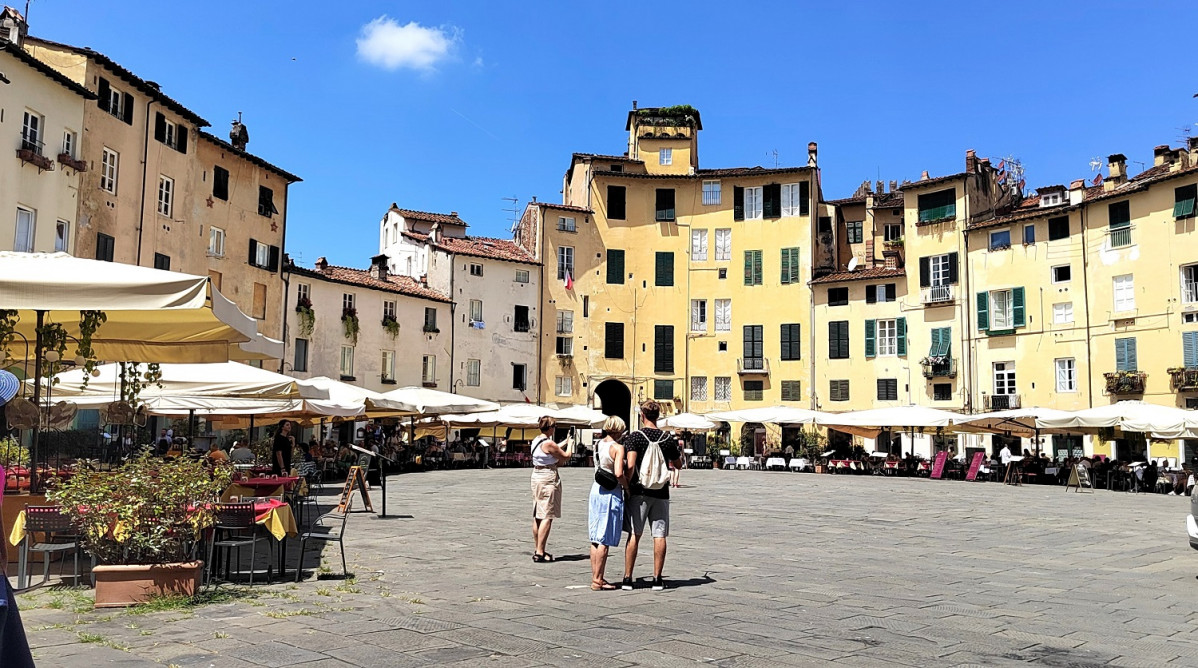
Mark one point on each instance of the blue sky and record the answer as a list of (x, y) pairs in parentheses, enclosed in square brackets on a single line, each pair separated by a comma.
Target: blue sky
[(454, 106)]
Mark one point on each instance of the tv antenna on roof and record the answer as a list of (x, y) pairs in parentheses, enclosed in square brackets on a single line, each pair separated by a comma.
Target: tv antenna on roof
[(515, 210), (775, 154), (1095, 164)]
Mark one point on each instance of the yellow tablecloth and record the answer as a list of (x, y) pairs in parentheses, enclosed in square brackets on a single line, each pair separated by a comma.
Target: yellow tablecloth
[(280, 522), (243, 492), (17, 534)]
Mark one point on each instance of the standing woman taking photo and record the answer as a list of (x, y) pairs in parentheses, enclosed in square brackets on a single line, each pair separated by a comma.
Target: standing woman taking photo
[(606, 517), (546, 486)]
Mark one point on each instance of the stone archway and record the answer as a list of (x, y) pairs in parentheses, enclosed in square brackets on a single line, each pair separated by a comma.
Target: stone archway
[(615, 399)]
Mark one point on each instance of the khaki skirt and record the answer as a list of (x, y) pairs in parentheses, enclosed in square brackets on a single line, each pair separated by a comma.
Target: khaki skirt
[(546, 494)]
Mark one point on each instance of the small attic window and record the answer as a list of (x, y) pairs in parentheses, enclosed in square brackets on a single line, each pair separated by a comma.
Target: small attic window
[(1050, 199), (617, 168)]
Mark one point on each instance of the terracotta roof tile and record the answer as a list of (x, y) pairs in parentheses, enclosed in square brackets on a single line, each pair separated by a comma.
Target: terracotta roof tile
[(291, 178), (856, 199), (495, 249), (934, 181), (430, 217), (860, 275), (600, 156), (27, 58), (709, 173), (888, 200), (565, 207), (403, 285)]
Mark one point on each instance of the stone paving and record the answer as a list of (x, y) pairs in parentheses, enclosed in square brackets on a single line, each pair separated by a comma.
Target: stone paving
[(765, 569)]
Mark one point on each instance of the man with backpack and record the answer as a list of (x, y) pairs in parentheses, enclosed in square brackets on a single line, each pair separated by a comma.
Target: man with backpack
[(649, 450)]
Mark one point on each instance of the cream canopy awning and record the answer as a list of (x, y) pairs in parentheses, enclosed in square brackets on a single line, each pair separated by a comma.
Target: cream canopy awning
[(686, 422), (217, 380), (523, 416), (417, 401), (1166, 422), (1020, 422), (768, 414), (153, 315), (893, 417)]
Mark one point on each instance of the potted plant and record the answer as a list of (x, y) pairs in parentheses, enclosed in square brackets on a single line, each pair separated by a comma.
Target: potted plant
[(391, 325), (307, 317), (349, 320), (142, 523)]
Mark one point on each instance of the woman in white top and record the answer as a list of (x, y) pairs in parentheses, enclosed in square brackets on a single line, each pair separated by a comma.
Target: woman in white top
[(606, 516), (546, 486)]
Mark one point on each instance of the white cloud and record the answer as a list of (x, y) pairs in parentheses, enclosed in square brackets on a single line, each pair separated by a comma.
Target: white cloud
[(386, 43)]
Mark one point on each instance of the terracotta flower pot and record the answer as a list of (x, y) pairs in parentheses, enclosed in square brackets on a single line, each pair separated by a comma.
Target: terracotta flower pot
[(123, 586)]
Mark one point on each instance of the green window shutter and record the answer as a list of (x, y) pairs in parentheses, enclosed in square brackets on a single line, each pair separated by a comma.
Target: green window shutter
[(794, 265), (756, 267), (1183, 206), (748, 267), (665, 269), (983, 311), (901, 336), (615, 267), (785, 266), (1121, 355), (934, 350), (1017, 307), (613, 340), (663, 349), (785, 353), (1189, 348), (738, 203), (870, 336), (1133, 363), (805, 199), (771, 201), (946, 341)]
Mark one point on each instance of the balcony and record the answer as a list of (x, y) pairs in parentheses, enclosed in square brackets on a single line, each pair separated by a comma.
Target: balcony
[(521, 326), (1002, 402), (1120, 236), (67, 160), (752, 366), (33, 152), (428, 383), (937, 294), (431, 328), (939, 214), (944, 369), (1125, 382), (1184, 380)]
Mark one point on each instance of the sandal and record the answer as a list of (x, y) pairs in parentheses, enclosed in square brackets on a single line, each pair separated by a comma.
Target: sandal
[(546, 557), (606, 586), (538, 558)]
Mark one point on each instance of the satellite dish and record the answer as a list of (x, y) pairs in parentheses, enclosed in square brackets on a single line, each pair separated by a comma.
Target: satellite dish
[(853, 264)]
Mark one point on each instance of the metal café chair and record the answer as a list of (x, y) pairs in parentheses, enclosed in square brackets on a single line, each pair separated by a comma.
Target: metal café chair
[(325, 528), (237, 521), (58, 536)]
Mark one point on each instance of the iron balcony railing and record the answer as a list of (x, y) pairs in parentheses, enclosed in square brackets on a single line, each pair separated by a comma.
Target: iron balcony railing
[(1184, 380), (945, 369), (1002, 402), (30, 143), (937, 294), (752, 365), (1120, 236), (1125, 382)]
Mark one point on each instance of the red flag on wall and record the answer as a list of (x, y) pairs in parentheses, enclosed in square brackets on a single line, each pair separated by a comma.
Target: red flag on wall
[(569, 281)]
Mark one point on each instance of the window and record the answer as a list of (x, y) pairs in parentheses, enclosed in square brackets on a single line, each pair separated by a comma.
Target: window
[(942, 391), (722, 346), (69, 142), (428, 370), (1125, 293), (1062, 274), (1000, 239), (882, 292), (26, 228), (711, 192), (476, 311), (616, 168), (938, 206), (166, 195), (790, 266), (521, 275), (754, 348), (565, 333), (616, 202), (698, 315), (108, 165), (162, 262), (259, 299), (663, 389), (114, 101), (663, 349), (791, 349), (303, 292), (476, 269), (301, 355), (838, 390), (722, 273), (474, 373), (430, 320), (698, 245), (220, 183), (520, 320), (938, 271), (838, 296), (216, 241), (791, 390), (887, 389), (346, 368), (753, 274), (754, 390), (348, 302), (388, 374), (723, 315), (105, 247), (1001, 310), (794, 199), (665, 156), (1125, 354), (31, 132), (1004, 378), (722, 244), (1058, 228), (1029, 234), (838, 340), (887, 337), (613, 340), (519, 377), (563, 386), (62, 236), (167, 132), (389, 309), (1066, 374), (698, 388), (1189, 284), (892, 232), (664, 204), (266, 202), (615, 267), (664, 269), (566, 224), (723, 388), (1062, 313), (565, 262), (1183, 201), (753, 203), (1119, 226), (853, 231), (1189, 349)]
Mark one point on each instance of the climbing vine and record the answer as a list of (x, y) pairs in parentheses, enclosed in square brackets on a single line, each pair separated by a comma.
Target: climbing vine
[(8, 327), (391, 325), (85, 355), (349, 320), (307, 316), (54, 346)]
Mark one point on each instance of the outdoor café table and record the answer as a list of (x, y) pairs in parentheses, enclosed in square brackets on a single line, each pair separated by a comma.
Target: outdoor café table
[(891, 467), (775, 461), (261, 486), (850, 464)]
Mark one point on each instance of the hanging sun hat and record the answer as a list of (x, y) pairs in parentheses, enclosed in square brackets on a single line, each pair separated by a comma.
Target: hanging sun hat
[(9, 385)]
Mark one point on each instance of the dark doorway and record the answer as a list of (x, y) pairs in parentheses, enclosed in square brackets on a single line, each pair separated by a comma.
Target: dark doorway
[(615, 399)]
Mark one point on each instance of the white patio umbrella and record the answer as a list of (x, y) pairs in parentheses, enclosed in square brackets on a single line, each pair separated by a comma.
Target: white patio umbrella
[(768, 414), (1020, 422), (686, 422), (1165, 422), (421, 401), (217, 380), (580, 414), (522, 416), (897, 416)]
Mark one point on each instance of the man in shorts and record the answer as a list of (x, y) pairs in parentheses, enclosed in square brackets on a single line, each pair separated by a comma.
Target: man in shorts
[(647, 506)]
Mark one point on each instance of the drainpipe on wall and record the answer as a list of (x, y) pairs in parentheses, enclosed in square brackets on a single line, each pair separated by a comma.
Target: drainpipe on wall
[(971, 370), (540, 255), (453, 318), (145, 156), (285, 273), (1086, 299), (811, 295)]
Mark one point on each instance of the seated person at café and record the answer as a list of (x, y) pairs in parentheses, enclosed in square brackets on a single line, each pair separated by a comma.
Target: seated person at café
[(241, 453), (215, 454), (176, 449)]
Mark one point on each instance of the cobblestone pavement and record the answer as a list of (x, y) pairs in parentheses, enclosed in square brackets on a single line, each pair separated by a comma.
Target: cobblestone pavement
[(766, 569)]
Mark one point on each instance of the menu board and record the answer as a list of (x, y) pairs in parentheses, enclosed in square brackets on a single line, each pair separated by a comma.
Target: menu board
[(974, 465), (938, 465)]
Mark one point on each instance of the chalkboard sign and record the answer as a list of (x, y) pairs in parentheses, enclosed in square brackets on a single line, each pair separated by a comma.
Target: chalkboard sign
[(974, 465), (1079, 479), (356, 478), (938, 465)]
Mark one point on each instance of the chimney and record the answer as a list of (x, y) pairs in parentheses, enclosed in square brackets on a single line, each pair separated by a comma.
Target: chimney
[(634, 105), (880, 188), (434, 233), (923, 176), (893, 186), (1117, 168), (1161, 155), (424, 280), (454, 214), (891, 259), (971, 161), (812, 153), (1192, 146), (378, 267), (1077, 191), (322, 265), (13, 27)]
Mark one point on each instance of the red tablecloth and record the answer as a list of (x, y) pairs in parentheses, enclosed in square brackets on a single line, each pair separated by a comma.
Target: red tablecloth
[(268, 483)]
